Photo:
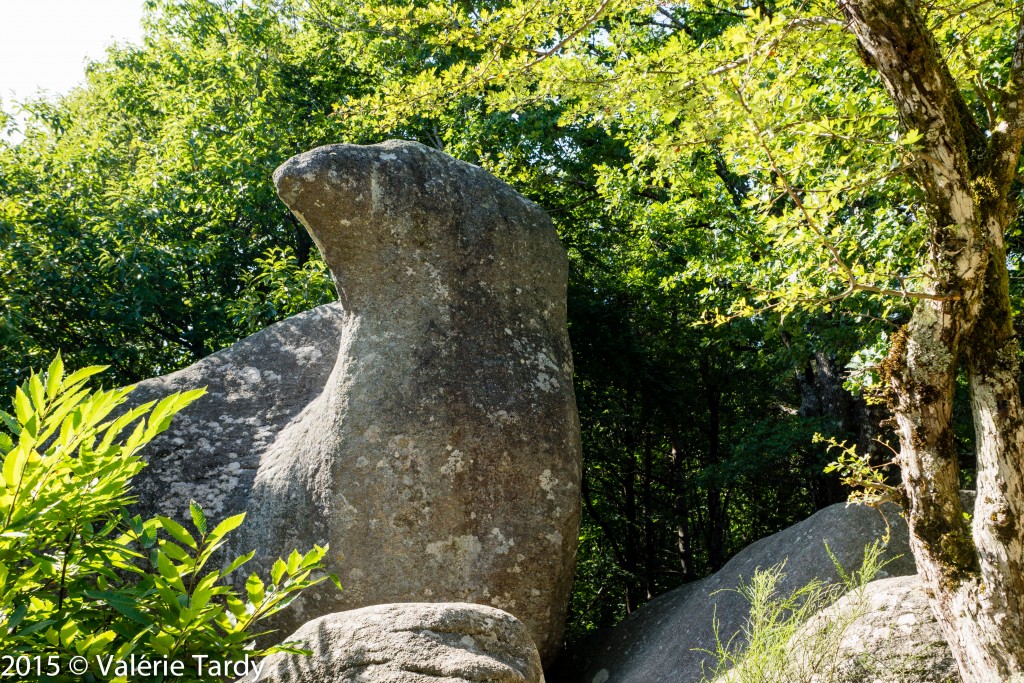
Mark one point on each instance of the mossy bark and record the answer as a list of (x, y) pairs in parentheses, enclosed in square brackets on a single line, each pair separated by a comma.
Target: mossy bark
[(974, 571)]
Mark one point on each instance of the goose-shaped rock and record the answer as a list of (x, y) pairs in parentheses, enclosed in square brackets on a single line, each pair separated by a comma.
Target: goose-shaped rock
[(424, 425)]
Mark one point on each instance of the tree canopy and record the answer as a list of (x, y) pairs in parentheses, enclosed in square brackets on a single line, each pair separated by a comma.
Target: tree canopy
[(135, 210)]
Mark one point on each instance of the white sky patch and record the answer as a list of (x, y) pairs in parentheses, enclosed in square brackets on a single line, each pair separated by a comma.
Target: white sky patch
[(44, 44)]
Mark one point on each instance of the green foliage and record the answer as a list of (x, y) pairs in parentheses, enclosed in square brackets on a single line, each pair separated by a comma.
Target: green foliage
[(805, 141), (79, 575), (281, 287), (864, 370), (870, 482), (781, 640)]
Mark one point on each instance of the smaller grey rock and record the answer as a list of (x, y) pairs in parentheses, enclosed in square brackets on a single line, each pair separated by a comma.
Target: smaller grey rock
[(887, 633), (410, 643)]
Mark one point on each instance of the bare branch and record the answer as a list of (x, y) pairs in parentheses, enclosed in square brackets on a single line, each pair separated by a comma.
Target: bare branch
[(587, 23)]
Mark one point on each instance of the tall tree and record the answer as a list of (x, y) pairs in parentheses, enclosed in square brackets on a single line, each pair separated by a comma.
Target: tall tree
[(966, 174)]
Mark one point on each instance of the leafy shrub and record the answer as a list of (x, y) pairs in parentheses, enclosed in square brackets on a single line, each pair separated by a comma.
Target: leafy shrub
[(80, 576)]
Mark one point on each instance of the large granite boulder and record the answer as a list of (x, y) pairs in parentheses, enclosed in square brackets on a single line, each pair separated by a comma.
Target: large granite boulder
[(883, 633), (409, 643), (672, 637), (425, 425)]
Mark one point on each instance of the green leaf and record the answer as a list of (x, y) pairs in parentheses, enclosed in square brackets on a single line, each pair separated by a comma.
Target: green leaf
[(169, 571), (22, 406), (294, 560), (37, 393), (235, 606), (54, 377), (35, 628), (16, 617), (198, 517), (278, 571), (177, 531), (10, 423), (14, 466), (227, 526), (99, 643), (160, 418), (162, 643), (255, 589), (124, 604), (80, 376), (175, 552), (68, 633), (239, 561), (912, 136)]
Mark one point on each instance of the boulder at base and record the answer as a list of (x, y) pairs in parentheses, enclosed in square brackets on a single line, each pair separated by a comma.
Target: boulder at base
[(410, 643), (669, 638), (424, 426), (887, 633)]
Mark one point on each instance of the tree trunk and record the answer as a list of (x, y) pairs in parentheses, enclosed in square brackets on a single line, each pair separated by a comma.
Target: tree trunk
[(303, 242), (715, 529), (631, 552), (975, 572), (649, 526), (998, 523), (680, 492)]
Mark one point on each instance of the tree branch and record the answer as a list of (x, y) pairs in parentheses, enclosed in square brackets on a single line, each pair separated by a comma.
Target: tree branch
[(1008, 130), (895, 40)]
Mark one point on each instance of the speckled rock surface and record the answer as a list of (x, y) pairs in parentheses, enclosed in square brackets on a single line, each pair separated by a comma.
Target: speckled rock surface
[(212, 450), (410, 643), (425, 425), (893, 638), (669, 638)]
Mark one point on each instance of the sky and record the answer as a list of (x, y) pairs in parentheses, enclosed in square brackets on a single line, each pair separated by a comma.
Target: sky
[(44, 43)]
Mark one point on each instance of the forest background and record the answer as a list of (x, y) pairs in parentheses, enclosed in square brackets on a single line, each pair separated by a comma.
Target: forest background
[(713, 327)]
